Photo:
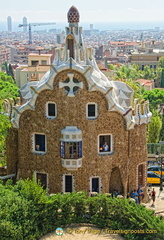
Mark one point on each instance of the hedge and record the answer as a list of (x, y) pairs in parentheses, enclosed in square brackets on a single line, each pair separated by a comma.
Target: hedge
[(27, 213)]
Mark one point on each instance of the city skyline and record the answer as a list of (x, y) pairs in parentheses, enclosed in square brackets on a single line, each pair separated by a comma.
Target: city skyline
[(90, 11)]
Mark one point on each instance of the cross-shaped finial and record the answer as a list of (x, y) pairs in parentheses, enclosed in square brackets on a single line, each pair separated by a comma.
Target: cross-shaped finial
[(71, 84)]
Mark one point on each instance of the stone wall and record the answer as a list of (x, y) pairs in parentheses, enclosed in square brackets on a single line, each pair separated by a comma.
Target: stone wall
[(129, 147), (12, 150)]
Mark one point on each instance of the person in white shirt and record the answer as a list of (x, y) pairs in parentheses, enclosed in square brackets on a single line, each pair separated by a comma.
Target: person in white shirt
[(105, 147)]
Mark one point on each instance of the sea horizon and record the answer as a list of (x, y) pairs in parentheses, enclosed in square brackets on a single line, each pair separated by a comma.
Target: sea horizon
[(102, 26)]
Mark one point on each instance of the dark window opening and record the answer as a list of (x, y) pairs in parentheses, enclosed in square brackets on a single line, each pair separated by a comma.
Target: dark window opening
[(95, 185), (91, 110), (39, 142), (51, 110), (68, 183), (71, 47), (42, 179), (71, 150), (34, 63), (105, 143)]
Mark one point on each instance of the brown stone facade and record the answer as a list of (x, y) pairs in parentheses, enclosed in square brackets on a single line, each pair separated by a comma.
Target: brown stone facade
[(117, 170)]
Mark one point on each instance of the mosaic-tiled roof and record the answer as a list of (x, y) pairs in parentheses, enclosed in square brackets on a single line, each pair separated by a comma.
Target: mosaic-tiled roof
[(73, 15)]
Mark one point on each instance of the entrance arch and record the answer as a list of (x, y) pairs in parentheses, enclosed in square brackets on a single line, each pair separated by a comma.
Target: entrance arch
[(115, 182)]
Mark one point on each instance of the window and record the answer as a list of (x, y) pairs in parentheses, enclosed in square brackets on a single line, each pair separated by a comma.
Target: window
[(34, 63), (51, 110), (91, 110), (142, 68), (39, 143), (153, 175), (42, 179), (43, 62), (71, 150), (105, 144), (71, 47)]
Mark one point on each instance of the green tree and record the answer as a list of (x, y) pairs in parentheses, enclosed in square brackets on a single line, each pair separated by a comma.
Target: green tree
[(161, 62), (4, 77), (161, 137), (154, 128), (7, 90), (147, 73), (136, 88), (11, 73), (162, 79), (155, 97)]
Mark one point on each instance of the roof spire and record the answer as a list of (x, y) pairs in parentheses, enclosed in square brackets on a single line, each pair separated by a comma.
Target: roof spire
[(73, 15)]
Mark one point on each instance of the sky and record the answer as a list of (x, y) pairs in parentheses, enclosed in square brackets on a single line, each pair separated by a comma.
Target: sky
[(90, 10)]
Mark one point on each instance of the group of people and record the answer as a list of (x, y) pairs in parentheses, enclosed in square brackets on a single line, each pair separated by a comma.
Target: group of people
[(137, 195)]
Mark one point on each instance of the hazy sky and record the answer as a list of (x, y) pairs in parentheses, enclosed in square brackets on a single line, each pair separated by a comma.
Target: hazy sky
[(90, 10)]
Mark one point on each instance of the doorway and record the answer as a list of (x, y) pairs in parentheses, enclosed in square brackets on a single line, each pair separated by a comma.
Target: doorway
[(42, 179), (68, 183), (95, 185), (115, 182)]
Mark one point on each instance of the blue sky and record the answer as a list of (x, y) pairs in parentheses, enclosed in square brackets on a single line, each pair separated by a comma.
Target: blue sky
[(90, 10)]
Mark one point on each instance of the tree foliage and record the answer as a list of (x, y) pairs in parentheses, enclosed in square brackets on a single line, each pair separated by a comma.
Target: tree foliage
[(161, 136), (162, 79), (161, 62), (133, 72), (155, 97), (8, 89), (4, 77), (154, 128), (8, 69)]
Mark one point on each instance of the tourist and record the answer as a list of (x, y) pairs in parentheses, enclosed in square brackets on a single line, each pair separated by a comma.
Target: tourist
[(140, 195), (153, 193), (105, 147), (134, 195)]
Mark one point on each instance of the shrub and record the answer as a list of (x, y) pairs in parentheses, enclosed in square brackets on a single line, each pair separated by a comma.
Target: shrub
[(27, 213)]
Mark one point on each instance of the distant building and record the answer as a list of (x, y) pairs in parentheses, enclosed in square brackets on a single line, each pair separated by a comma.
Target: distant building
[(99, 53), (60, 38), (38, 65), (25, 24), (5, 55), (147, 84), (91, 28), (9, 24), (147, 58)]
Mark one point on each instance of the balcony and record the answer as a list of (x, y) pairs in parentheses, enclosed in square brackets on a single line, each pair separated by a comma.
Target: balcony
[(71, 164), (71, 148)]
